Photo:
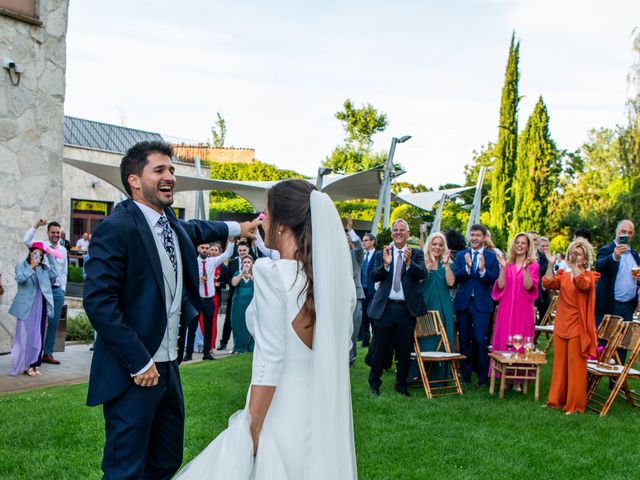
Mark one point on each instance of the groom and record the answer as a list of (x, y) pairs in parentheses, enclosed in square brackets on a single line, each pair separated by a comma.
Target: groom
[(140, 292)]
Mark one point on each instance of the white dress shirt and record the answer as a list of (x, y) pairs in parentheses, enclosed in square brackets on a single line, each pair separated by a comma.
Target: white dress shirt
[(210, 266), (82, 244), (61, 265), (625, 287)]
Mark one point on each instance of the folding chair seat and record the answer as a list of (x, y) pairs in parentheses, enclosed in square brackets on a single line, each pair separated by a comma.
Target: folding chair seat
[(430, 325), (628, 338)]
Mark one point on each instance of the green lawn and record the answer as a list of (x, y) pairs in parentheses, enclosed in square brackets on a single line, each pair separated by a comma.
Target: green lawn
[(50, 434)]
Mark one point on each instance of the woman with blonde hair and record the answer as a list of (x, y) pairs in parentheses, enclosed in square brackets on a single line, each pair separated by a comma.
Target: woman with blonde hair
[(574, 332), (435, 291), (516, 290)]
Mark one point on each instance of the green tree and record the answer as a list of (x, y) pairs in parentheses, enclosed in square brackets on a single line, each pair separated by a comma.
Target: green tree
[(501, 197), (537, 173), (219, 131), (360, 125)]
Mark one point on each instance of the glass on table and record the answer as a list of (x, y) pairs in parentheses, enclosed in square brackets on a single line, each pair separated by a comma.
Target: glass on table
[(517, 343)]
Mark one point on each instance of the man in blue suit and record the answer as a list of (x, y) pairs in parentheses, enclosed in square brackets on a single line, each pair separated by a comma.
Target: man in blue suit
[(368, 285), (140, 293), (617, 289), (475, 269), (395, 306)]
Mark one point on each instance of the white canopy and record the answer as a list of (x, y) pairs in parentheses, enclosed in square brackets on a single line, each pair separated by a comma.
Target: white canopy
[(426, 200), (353, 186)]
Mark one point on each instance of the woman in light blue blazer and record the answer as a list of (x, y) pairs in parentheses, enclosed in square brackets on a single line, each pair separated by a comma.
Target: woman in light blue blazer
[(30, 307)]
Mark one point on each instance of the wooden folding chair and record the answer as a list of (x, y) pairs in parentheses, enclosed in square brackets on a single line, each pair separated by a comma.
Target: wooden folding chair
[(628, 339), (609, 333), (546, 324), (430, 325)]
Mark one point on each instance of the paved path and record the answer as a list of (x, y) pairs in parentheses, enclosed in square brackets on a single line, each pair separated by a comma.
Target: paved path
[(73, 369)]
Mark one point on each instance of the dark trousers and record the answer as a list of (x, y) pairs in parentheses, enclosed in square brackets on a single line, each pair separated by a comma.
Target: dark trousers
[(395, 328), (144, 429), (364, 333), (542, 303), (473, 330), (191, 334), (226, 328), (208, 307)]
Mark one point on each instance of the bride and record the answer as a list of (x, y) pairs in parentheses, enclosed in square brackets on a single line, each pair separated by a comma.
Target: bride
[(297, 421)]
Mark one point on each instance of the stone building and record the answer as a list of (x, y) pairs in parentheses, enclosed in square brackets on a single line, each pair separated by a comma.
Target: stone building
[(33, 36)]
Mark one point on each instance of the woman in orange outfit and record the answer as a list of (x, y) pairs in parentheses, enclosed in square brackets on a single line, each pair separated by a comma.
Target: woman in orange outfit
[(574, 333)]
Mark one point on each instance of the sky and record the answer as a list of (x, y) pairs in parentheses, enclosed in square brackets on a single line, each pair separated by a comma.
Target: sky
[(278, 71)]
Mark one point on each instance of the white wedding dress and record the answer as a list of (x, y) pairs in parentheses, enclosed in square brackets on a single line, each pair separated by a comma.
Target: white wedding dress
[(307, 433)]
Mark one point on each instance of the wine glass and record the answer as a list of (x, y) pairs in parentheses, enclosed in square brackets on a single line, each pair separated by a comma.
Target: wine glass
[(517, 343), (528, 346), (509, 343)]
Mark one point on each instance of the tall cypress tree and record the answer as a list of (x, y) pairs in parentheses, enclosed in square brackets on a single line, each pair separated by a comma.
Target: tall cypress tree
[(501, 197), (537, 173)]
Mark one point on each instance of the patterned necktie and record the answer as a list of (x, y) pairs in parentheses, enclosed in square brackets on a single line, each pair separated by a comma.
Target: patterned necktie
[(168, 242), (397, 273), (474, 262)]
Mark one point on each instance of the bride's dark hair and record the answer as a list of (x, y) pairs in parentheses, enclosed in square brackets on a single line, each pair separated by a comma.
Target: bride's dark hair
[(289, 204)]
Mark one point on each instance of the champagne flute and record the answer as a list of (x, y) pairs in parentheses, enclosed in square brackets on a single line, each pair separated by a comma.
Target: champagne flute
[(517, 343), (528, 346)]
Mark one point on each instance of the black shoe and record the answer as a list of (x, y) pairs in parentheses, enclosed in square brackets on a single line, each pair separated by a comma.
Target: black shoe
[(207, 357), (187, 358), (375, 392), (222, 346), (404, 393), (481, 385)]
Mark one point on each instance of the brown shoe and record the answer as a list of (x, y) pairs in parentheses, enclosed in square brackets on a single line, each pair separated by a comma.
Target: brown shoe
[(50, 359)]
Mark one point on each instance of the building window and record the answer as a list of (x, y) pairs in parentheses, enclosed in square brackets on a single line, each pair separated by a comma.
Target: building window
[(24, 10), (86, 215)]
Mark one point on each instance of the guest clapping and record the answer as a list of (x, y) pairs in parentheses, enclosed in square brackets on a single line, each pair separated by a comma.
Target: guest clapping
[(435, 292), (516, 289), (243, 283), (30, 307), (574, 333)]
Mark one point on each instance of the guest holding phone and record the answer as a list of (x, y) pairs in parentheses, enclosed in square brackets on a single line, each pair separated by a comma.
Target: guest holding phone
[(243, 283), (30, 306)]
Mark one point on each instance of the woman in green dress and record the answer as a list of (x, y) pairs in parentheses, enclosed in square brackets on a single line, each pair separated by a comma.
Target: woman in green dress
[(435, 292), (242, 340)]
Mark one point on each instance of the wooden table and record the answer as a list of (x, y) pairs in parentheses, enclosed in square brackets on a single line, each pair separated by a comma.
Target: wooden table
[(511, 368)]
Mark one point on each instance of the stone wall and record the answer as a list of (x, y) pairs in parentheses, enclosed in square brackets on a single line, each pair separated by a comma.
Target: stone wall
[(31, 137)]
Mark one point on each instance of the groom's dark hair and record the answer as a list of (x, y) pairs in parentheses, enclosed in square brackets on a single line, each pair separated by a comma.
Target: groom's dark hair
[(137, 157)]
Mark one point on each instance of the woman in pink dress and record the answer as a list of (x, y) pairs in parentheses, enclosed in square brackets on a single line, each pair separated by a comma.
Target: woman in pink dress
[(516, 289)]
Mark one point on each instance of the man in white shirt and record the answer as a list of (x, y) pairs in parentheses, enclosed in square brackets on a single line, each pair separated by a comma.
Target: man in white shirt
[(58, 287), (83, 242), (207, 266)]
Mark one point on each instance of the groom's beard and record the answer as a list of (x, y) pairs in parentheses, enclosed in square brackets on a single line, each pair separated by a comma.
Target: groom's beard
[(204, 257)]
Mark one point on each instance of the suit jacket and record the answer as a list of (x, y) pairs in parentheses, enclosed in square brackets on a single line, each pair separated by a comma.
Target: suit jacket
[(543, 294), (26, 280), (469, 283), (608, 269), (370, 291), (410, 284), (357, 256), (124, 295)]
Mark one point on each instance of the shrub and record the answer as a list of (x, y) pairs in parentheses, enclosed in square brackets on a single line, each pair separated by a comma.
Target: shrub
[(75, 274), (79, 328)]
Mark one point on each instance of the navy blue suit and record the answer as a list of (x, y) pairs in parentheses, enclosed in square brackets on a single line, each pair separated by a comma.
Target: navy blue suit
[(394, 321), (124, 297), (474, 306), (368, 285)]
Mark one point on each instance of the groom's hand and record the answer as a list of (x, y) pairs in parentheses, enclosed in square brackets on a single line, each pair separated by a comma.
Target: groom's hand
[(248, 229), (149, 378)]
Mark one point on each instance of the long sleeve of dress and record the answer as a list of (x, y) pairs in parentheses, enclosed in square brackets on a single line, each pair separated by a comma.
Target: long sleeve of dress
[(270, 326)]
